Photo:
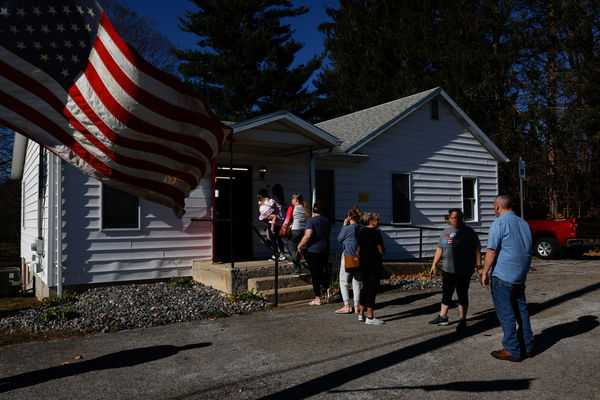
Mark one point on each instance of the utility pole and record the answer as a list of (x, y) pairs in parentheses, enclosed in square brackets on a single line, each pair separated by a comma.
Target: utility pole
[(521, 177)]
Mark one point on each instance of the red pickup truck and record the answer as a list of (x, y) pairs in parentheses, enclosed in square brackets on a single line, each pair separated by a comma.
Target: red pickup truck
[(550, 236)]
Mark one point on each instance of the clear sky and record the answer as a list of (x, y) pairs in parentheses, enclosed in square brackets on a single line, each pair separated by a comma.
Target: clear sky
[(166, 12)]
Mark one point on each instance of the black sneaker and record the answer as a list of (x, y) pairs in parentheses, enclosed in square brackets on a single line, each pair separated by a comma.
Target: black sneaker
[(439, 320), (462, 325)]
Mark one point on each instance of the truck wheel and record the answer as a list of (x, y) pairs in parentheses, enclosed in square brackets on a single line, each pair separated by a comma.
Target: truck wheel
[(545, 248)]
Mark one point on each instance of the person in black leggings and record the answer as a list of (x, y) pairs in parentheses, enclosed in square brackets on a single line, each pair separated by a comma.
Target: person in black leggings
[(370, 253), (316, 237), (460, 249)]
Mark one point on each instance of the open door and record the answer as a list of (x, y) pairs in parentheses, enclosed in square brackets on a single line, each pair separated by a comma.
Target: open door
[(242, 212)]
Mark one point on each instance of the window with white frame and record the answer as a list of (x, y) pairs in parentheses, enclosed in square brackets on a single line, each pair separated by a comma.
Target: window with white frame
[(120, 210), (469, 195), (400, 198)]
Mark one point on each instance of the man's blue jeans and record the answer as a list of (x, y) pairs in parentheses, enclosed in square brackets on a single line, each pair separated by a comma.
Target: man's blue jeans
[(511, 309)]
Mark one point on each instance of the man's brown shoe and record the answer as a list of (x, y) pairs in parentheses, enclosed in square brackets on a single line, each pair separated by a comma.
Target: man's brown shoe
[(505, 355)]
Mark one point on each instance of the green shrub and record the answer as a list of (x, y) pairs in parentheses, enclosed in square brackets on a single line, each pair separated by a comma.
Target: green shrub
[(181, 281), (63, 314), (59, 300), (246, 295)]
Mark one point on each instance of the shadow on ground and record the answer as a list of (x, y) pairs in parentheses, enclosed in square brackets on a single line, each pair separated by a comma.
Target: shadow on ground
[(125, 358)]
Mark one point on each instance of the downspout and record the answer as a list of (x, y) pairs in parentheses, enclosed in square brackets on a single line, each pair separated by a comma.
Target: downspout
[(59, 264), (38, 246)]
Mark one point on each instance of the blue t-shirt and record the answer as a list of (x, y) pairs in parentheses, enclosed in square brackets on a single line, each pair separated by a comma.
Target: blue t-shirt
[(510, 236), (319, 240), (349, 238)]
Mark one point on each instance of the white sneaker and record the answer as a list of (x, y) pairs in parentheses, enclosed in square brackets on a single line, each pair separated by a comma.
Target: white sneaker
[(374, 321), (361, 317), (282, 257)]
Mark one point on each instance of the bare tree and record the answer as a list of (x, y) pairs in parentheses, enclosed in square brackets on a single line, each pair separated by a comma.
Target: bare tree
[(143, 34)]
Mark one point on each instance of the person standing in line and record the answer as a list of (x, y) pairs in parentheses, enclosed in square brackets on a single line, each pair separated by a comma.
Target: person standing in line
[(296, 215), (460, 249), (279, 206), (317, 232), (348, 236), (370, 252), (509, 256)]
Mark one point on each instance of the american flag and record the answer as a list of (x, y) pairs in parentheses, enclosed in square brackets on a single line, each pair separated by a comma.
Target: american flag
[(70, 83)]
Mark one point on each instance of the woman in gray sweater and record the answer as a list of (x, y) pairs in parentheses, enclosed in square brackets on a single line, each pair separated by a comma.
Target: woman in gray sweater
[(296, 216)]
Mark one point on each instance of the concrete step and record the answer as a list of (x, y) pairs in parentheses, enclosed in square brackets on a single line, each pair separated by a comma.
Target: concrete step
[(290, 294), (285, 281)]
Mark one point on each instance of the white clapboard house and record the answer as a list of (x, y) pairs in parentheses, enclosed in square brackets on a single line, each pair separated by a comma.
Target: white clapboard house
[(409, 160)]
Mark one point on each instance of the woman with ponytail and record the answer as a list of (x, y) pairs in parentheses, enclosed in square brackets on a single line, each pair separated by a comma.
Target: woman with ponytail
[(349, 238)]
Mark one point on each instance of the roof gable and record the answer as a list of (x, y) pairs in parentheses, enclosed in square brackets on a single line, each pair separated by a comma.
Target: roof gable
[(359, 128)]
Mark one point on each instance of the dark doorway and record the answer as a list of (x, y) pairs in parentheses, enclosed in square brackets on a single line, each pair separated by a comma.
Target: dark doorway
[(325, 191), (242, 212)]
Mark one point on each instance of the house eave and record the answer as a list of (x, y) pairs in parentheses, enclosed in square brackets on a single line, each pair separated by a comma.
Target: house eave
[(325, 138)]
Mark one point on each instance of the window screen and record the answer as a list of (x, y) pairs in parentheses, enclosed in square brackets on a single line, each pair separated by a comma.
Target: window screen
[(469, 198)]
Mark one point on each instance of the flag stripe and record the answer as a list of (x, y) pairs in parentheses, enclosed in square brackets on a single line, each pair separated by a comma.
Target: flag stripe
[(49, 126), (41, 92), (144, 66), (174, 150), (154, 151), (126, 94), (150, 100), (132, 121)]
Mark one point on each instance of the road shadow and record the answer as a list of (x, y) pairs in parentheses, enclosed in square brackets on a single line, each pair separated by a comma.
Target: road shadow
[(550, 336), (399, 301), (498, 385), (120, 359), (342, 376)]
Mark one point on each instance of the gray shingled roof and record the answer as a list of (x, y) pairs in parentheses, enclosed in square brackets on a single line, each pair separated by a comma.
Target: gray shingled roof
[(352, 128)]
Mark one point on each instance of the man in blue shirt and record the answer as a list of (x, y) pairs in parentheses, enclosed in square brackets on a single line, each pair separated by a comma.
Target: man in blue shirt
[(509, 253)]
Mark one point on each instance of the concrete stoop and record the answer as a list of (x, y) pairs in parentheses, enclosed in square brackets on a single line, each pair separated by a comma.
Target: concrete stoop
[(257, 275)]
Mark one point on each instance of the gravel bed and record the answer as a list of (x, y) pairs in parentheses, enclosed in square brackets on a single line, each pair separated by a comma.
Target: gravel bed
[(113, 308), (412, 283)]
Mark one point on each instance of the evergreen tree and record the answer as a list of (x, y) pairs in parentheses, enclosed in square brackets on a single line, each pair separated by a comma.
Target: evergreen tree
[(243, 67)]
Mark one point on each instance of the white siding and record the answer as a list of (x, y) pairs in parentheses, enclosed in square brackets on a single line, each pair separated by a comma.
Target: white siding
[(436, 154), (29, 205), (164, 246)]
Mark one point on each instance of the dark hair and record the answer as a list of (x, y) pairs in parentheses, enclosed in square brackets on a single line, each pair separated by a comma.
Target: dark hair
[(456, 210), (300, 200), (263, 193), (277, 191), (318, 207), (354, 214)]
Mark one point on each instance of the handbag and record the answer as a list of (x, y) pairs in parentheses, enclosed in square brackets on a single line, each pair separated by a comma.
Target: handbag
[(285, 231), (351, 263)]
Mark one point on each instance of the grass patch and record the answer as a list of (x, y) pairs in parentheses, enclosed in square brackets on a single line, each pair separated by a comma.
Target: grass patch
[(12, 305), (246, 295), (182, 281), (59, 300), (59, 314), (14, 337)]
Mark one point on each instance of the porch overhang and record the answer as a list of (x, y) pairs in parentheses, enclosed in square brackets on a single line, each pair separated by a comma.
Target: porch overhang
[(281, 133)]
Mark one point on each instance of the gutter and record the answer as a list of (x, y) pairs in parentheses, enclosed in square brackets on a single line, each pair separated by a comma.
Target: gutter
[(18, 157)]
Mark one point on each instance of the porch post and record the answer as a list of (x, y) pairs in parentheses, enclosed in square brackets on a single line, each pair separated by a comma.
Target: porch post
[(231, 203), (313, 187)]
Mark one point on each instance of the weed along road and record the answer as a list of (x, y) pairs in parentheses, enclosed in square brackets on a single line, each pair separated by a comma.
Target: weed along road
[(311, 352)]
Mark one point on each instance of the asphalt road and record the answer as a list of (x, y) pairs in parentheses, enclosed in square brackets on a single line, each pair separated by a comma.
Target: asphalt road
[(310, 352)]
